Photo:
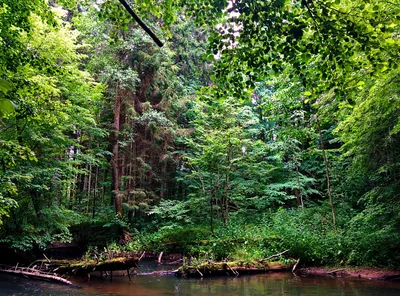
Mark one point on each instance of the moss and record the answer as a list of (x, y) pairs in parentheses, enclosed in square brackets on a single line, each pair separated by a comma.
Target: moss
[(232, 268), (87, 266)]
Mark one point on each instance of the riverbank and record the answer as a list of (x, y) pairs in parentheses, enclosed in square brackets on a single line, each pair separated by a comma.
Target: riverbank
[(212, 269), (208, 268), (368, 273)]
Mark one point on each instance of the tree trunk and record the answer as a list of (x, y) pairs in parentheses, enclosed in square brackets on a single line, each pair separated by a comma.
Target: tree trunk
[(299, 187), (95, 193), (211, 205), (228, 170), (89, 183), (328, 182), (115, 157)]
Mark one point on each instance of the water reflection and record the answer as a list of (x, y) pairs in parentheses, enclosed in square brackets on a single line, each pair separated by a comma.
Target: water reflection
[(265, 284)]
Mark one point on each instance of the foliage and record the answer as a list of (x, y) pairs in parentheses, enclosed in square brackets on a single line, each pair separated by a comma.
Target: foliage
[(226, 143), (323, 41), (51, 94)]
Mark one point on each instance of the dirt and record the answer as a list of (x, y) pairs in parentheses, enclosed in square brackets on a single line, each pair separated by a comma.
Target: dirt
[(352, 272)]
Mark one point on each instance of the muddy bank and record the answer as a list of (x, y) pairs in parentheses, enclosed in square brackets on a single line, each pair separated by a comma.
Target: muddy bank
[(352, 272)]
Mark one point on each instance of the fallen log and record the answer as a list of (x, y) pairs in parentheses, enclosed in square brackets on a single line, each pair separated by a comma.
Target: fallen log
[(86, 267), (34, 273), (223, 268)]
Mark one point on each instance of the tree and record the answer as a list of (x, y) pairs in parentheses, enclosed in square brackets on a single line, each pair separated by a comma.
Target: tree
[(43, 138), (147, 88)]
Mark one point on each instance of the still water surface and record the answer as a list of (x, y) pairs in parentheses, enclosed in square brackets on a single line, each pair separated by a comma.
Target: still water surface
[(148, 285)]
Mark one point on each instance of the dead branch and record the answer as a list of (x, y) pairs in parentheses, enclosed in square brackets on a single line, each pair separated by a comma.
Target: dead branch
[(276, 255), (48, 260), (233, 271), (140, 258), (199, 272), (295, 266), (160, 257), (33, 273)]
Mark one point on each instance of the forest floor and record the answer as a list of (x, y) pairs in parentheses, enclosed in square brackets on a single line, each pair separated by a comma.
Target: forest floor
[(369, 273)]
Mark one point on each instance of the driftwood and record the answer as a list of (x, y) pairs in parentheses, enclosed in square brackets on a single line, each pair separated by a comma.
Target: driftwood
[(34, 273)]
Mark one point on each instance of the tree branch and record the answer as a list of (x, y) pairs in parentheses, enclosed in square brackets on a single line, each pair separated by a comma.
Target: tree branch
[(141, 23)]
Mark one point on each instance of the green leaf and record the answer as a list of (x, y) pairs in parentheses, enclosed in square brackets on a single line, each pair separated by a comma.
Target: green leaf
[(6, 106), (5, 86), (307, 93)]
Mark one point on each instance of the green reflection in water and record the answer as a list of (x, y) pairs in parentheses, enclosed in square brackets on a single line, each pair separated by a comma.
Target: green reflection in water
[(265, 284)]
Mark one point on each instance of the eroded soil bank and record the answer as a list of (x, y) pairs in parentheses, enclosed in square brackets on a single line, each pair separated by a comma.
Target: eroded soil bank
[(352, 272)]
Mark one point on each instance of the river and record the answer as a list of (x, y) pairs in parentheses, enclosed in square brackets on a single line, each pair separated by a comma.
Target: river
[(149, 285)]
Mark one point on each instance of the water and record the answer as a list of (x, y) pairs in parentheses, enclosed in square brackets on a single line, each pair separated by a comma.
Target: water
[(263, 284)]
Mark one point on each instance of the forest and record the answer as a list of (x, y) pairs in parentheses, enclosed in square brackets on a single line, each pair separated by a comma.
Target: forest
[(256, 127)]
